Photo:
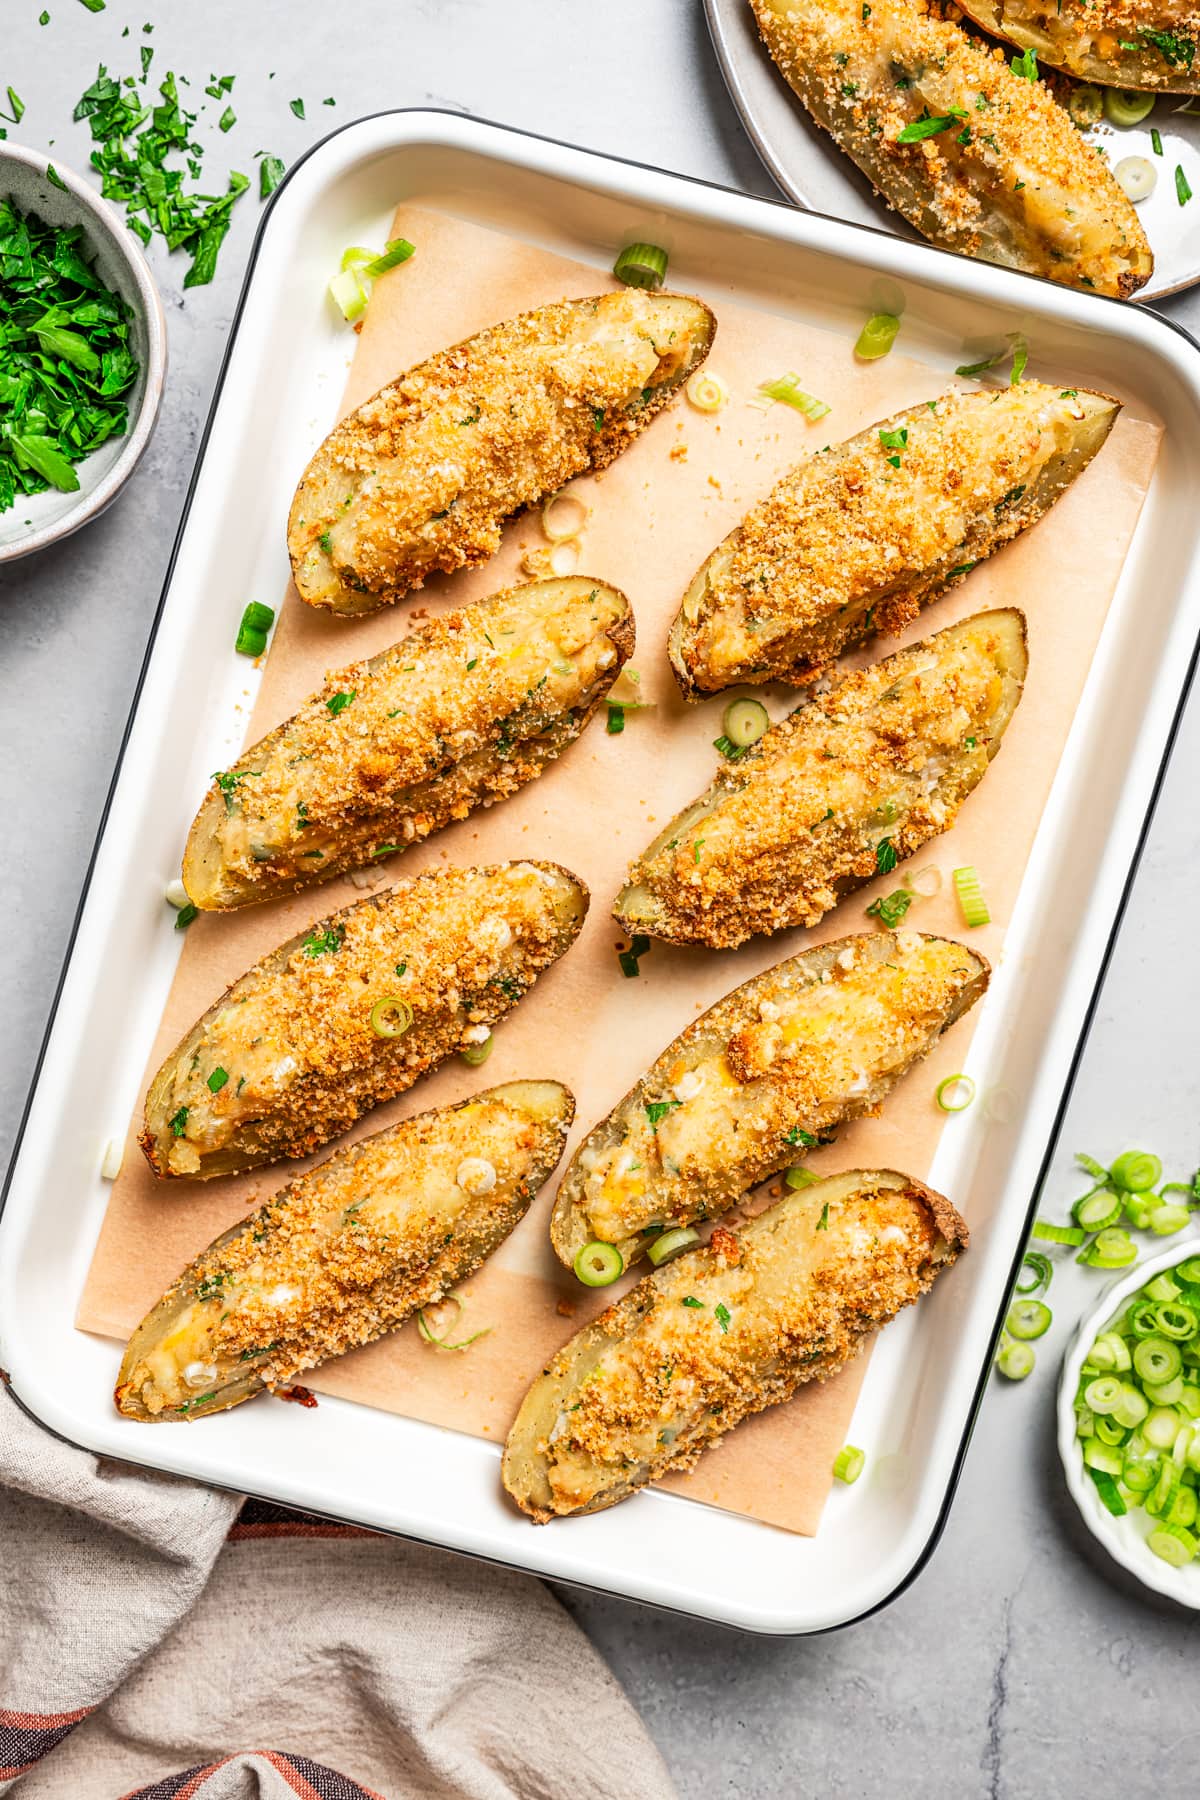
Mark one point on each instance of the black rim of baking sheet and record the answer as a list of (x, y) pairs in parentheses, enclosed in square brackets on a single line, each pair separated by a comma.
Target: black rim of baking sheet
[(922, 1558)]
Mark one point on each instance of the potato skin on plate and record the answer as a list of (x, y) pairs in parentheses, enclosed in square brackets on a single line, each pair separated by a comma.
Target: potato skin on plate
[(462, 712), (885, 757), (1006, 177), (858, 538), (314, 1035), (1118, 43), (757, 1080), (345, 1253), (723, 1331), (421, 478)]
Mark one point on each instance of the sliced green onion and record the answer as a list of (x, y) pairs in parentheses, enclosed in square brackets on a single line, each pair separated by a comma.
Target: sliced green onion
[(1110, 1250), (848, 1464), (391, 1016), (1031, 1319), (706, 391), (1156, 142), (1086, 106), (788, 389), (1110, 1431), (1103, 1395), (1183, 192), (1132, 1408), (1160, 1427), (641, 266), (1157, 1359), (1096, 1211), (1163, 1287), (1176, 1320), (1136, 1170), (441, 1340), (598, 1264), (877, 336), (955, 1093), (474, 1054), (249, 642), (800, 1178), (670, 1243), (1057, 1234), (258, 616), (969, 889), (1104, 1457), (349, 295), (1165, 1220), (1043, 1272), (744, 722), (1126, 107), (1189, 1271), (1173, 1544), (1106, 1487), (1116, 1352), (1164, 1393), (397, 251), (1016, 1361)]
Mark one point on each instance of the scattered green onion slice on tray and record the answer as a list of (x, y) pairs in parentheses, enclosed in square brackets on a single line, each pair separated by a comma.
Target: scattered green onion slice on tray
[(800, 1178), (397, 250), (257, 620), (848, 1464), (1135, 1170), (788, 389), (598, 1264), (744, 722), (1085, 105), (1057, 1234), (474, 1054), (1110, 1249), (349, 295), (1125, 106), (1042, 1270), (1028, 1319), (955, 1093), (1097, 1210), (441, 1339), (641, 266), (969, 889), (1016, 1360), (671, 1243), (877, 336)]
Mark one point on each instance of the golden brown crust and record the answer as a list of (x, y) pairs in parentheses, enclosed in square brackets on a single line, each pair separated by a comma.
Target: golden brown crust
[(1119, 43), (345, 1253), (290, 1056), (463, 712), (422, 477), (1010, 180), (884, 758), (724, 1331), (762, 1076), (855, 540)]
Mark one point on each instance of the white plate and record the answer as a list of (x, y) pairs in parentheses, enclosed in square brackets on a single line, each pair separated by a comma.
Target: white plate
[(283, 374), (1124, 1538), (811, 171)]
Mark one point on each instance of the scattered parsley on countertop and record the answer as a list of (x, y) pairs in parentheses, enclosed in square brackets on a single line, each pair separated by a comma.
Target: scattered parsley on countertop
[(65, 361)]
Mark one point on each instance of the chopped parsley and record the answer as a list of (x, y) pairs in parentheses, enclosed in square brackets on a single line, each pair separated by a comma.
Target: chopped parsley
[(616, 719), (65, 359), (297, 107), (885, 856), (691, 1300), (401, 968), (1011, 498), (657, 1110), (890, 909), (926, 127), (731, 751), (1174, 48), (959, 569), (722, 1315), (185, 915), (798, 1136), (597, 418), (895, 441), (217, 1080), (178, 1122), (1025, 65), (823, 1221), (325, 941), (271, 172), (339, 702)]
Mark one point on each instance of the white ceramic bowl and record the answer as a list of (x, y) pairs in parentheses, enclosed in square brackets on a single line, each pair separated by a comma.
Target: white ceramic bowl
[(40, 519), (1124, 1538)]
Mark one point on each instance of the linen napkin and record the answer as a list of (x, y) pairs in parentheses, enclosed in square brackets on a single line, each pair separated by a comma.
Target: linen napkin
[(159, 1641)]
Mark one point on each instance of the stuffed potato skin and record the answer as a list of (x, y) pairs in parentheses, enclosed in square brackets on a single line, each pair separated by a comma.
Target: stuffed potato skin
[(461, 713), (783, 1060), (886, 756), (1007, 178), (421, 478), (723, 1331), (313, 1035), (346, 1253), (1118, 43), (857, 539)]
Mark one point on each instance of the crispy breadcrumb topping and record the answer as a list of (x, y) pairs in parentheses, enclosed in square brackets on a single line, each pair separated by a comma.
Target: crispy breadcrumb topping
[(422, 477), (297, 1048), (858, 538), (885, 757), (1007, 178)]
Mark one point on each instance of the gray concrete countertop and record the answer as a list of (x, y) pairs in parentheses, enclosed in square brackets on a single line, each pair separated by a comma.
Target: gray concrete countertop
[(1019, 1662)]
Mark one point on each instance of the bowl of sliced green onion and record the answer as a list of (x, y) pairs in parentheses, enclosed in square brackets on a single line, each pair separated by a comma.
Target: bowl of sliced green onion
[(1129, 1421), (83, 353)]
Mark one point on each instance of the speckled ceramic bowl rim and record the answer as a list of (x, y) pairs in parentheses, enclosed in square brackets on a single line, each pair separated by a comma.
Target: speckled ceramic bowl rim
[(93, 503), (1124, 1539)]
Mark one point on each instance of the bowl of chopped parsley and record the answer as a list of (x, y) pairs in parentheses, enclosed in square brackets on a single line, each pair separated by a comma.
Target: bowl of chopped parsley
[(83, 353)]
